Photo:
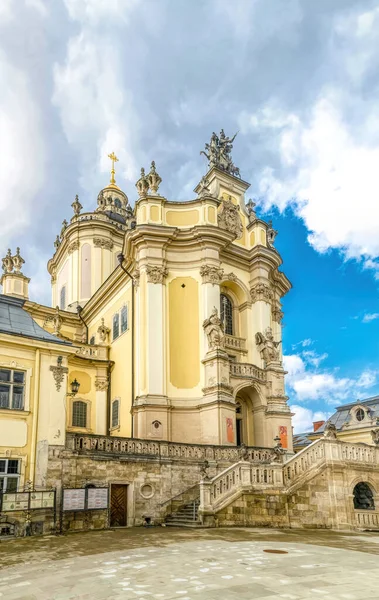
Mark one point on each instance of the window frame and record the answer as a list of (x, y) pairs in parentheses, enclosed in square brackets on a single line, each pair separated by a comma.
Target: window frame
[(5, 475), (11, 384), (77, 401), (362, 414), (122, 317), (222, 314), (115, 401)]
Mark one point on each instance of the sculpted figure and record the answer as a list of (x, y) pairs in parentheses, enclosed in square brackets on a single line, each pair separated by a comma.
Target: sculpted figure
[(8, 262), (267, 346), (375, 436), (218, 153), (204, 470), (330, 431), (243, 452), (214, 329)]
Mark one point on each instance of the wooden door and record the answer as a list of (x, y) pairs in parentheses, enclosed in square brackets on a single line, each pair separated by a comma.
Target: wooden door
[(118, 505)]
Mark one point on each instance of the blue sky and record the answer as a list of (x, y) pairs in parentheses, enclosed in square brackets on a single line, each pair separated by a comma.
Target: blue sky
[(151, 80)]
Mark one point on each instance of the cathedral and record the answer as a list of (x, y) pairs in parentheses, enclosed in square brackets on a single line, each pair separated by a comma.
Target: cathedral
[(157, 371)]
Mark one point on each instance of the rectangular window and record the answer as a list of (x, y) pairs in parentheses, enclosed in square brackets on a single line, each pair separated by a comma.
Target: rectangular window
[(12, 389), (116, 326), (115, 413), (124, 319), (9, 475), (79, 414)]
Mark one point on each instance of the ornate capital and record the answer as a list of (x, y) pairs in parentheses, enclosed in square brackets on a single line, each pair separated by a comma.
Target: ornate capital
[(101, 384), (58, 373), (102, 243), (261, 291), (156, 274), (73, 246), (211, 274)]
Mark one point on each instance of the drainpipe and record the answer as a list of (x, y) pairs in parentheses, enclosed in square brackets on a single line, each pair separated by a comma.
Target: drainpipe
[(121, 258), (79, 311), (35, 413)]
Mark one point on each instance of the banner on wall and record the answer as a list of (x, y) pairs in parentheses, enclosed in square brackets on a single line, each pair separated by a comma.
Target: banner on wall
[(229, 430), (283, 436)]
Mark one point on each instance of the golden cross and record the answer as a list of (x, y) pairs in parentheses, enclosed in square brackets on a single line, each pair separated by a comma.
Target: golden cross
[(114, 159)]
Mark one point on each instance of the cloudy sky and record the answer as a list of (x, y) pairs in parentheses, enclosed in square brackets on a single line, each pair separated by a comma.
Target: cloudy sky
[(151, 79)]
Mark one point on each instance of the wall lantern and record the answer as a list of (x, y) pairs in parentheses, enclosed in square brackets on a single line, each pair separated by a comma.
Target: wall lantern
[(75, 385)]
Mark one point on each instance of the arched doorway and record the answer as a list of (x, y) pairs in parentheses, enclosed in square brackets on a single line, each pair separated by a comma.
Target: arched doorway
[(248, 421), (363, 497)]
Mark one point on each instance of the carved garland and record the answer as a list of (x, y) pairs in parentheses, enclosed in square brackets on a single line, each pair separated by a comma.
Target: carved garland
[(102, 243), (156, 274), (58, 373)]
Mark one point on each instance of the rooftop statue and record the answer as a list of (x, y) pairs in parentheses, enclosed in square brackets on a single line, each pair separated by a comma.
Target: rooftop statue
[(218, 153)]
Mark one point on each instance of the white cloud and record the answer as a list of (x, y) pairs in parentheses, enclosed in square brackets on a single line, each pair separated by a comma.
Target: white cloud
[(96, 11), (306, 342), (22, 150), (304, 418), (368, 317), (305, 381), (6, 13)]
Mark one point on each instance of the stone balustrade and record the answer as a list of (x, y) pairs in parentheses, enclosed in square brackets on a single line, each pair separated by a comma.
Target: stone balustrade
[(243, 475), (93, 352), (161, 449), (367, 519), (247, 371), (235, 343)]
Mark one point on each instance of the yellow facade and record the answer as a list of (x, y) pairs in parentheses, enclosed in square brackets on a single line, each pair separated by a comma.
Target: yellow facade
[(152, 357)]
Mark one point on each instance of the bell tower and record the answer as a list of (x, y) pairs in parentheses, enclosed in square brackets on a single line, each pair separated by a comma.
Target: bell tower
[(86, 248)]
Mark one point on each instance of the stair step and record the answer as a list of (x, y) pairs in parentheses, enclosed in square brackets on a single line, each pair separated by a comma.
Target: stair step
[(183, 524)]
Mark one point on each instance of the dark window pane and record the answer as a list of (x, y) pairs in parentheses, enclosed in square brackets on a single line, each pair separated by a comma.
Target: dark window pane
[(124, 319), (4, 396), (18, 398), (2, 466), (115, 411), (12, 484), (116, 326), (79, 414), (12, 466), (5, 375), (18, 376), (63, 298), (2, 484), (226, 314)]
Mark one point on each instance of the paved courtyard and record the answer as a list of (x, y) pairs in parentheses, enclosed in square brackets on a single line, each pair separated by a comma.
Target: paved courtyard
[(168, 563)]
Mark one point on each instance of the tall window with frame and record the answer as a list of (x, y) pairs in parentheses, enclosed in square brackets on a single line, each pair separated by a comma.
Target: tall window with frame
[(115, 413), (79, 413), (62, 299), (12, 389), (9, 475), (124, 318), (226, 313), (116, 326)]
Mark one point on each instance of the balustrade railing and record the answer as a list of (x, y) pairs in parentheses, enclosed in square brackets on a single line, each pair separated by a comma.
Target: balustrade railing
[(367, 519), (246, 370), (155, 448), (235, 343), (89, 351)]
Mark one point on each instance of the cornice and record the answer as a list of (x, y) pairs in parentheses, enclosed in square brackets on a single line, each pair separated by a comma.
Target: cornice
[(43, 312), (20, 340)]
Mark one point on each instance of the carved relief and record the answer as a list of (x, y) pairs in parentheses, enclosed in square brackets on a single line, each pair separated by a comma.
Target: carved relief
[(102, 243), (375, 436), (211, 274), (156, 274), (230, 277), (103, 332), (277, 313), (229, 218), (261, 291), (56, 321), (267, 346), (73, 246), (58, 373), (136, 277), (101, 384), (330, 431), (213, 327)]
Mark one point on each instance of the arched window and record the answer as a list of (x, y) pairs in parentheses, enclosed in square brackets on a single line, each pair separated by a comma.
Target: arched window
[(79, 414), (124, 319), (85, 286), (117, 203), (226, 312), (363, 497), (62, 299), (115, 413)]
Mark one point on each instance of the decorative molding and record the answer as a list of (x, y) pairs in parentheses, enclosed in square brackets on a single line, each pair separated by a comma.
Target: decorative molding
[(229, 218), (156, 274), (211, 274), (101, 384), (261, 291), (230, 277), (102, 243), (103, 332), (58, 373), (73, 246)]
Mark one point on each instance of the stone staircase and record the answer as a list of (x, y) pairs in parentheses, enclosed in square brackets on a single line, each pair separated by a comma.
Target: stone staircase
[(185, 516)]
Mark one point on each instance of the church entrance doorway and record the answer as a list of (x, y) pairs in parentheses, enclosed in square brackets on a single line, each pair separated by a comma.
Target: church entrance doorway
[(247, 400), (118, 516)]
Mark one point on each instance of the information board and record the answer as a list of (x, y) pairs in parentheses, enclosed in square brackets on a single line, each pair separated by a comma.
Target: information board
[(15, 501), (74, 499), (42, 499), (97, 498)]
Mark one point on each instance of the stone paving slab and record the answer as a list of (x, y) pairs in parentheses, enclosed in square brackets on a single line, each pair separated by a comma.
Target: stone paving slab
[(197, 565)]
